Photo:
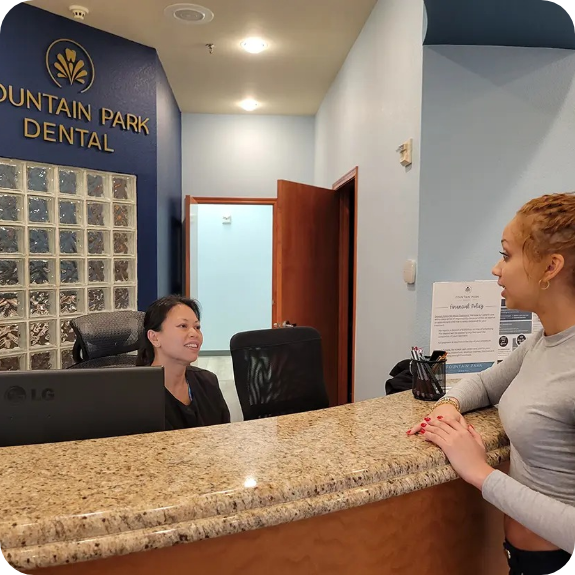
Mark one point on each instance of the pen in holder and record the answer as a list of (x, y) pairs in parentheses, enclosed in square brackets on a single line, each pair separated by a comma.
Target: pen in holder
[(428, 378)]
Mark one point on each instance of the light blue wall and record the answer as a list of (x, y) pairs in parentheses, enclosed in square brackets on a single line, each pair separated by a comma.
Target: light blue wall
[(234, 271), (245, 156), (373, 106), (498, 128)]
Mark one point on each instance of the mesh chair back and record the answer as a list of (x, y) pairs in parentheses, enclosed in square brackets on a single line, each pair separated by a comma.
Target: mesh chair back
[(100, 335), (278, 371), (121, 360)]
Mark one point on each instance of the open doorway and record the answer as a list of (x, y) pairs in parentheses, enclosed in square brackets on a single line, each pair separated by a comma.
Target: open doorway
[(229, 266)]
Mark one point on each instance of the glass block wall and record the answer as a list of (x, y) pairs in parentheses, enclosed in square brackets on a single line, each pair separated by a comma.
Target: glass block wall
[(67, 247)]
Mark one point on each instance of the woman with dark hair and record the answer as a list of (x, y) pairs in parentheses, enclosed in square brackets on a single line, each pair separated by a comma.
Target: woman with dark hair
[(172, 339)]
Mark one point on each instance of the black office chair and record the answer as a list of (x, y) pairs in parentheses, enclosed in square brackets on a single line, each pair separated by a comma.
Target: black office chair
[(278, 371), (106, 339)]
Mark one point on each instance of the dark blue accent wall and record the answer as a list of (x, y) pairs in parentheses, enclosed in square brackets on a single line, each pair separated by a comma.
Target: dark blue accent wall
[(521, 23), (129, 79), (170, 242)]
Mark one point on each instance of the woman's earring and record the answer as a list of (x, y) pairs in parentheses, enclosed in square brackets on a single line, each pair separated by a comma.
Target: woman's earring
[(546, 287)]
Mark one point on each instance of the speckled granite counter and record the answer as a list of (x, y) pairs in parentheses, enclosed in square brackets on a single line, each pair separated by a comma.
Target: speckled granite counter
[(70, 502)]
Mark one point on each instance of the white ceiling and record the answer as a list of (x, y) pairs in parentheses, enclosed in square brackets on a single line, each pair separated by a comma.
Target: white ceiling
[(308, 42)]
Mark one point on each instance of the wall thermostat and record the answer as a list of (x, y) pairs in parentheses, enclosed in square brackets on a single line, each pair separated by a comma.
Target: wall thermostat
[(409, 272)]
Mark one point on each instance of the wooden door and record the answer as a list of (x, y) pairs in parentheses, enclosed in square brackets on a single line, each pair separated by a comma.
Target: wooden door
[(306, 249)]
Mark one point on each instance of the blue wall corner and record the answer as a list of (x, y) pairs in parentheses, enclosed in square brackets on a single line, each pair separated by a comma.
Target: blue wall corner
[(519, 23), (128, 78), (169, 190)]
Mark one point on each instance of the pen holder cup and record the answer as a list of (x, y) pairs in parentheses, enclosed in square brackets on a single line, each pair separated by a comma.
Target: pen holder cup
[(428, 379)]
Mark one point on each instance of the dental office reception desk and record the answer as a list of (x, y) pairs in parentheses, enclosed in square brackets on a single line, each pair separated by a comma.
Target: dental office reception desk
[(341, 490)]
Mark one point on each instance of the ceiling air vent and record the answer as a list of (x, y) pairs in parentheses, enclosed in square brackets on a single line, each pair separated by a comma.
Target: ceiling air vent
[(189, 13)]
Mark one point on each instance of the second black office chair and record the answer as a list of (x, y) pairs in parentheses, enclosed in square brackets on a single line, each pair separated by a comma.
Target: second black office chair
[(107, 339), (278, 371)]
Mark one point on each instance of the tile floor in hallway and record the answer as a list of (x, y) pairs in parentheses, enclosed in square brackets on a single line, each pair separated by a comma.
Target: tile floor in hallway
[(222, 367)]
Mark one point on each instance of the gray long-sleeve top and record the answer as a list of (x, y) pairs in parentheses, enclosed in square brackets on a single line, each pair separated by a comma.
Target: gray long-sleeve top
[(535, 390)]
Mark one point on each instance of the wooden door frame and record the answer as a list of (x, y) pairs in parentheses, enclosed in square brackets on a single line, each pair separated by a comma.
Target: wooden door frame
[(188, 201), (234, 201), (343, 330)]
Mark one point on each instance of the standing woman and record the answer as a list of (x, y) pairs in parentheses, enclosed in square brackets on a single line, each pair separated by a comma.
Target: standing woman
[(534, 388), (172, 339)]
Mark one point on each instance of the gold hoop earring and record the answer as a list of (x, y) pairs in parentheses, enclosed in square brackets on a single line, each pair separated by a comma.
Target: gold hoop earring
[(546, 287)]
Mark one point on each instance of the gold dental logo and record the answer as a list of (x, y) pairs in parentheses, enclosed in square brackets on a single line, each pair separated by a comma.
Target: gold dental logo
[(68, 63)]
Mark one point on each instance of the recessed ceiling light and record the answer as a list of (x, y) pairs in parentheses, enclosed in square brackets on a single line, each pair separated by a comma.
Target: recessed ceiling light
[(189, 13), (249, 105), (254, 45)]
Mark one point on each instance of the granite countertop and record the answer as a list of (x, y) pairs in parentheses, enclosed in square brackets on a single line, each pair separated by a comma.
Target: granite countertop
[(77, 501)]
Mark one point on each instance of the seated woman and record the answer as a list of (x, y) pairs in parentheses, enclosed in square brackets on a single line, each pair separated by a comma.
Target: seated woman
[(172, 339)]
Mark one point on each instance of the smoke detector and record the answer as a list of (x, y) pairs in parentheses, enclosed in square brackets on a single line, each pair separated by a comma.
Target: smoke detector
[(189, 13), (79, 12)]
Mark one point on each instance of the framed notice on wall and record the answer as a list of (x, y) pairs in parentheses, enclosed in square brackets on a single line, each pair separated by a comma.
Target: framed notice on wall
[(465, 324)]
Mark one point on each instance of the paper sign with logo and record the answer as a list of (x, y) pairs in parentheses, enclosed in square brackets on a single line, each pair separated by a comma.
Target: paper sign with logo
[(465, 323)]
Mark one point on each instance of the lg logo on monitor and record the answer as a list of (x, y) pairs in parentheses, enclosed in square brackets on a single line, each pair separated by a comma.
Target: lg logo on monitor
[(17, 394)]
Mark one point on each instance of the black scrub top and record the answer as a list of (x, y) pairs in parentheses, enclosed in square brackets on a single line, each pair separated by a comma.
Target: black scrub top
[(208, 405)]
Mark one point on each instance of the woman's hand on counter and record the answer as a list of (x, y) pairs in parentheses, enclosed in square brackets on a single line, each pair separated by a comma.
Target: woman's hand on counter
[(463, 447), (445, 411)]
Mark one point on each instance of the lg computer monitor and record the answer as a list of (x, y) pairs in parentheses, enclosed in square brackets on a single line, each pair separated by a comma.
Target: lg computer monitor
[(66, 405)]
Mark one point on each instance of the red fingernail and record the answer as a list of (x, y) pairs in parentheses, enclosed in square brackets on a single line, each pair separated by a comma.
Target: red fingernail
[(427, 418), (423, 431), (423, 424), (440, 417), (408, 431)]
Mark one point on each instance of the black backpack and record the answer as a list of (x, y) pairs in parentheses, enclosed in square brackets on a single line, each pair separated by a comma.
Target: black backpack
[(401, 379)]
